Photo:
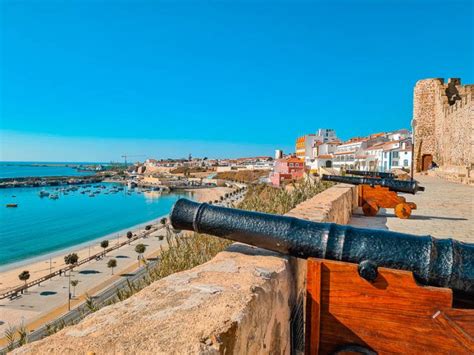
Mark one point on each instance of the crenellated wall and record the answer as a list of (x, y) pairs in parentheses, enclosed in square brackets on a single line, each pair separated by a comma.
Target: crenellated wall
[(444, 116), (245, 300)]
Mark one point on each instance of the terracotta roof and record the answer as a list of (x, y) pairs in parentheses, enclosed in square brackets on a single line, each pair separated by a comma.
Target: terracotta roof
[(325, 156), (291, 160)]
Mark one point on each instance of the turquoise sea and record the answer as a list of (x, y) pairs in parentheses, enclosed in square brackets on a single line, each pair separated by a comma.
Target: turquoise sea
[(40, 225), (29, 169)]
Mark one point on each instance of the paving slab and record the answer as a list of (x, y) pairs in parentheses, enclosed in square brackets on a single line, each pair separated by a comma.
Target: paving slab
[(444, 210)]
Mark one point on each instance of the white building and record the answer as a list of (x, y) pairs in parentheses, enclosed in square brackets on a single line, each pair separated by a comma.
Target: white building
[(325, 135), (385, 156), (323, 155), (345, 154), (397, 155)]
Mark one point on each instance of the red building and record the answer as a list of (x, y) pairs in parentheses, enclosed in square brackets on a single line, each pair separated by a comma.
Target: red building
[(286, 170)]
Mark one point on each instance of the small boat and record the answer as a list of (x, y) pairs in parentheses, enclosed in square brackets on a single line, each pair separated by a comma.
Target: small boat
[(92, 195), (13, 196), (53, 197), (12, 205)]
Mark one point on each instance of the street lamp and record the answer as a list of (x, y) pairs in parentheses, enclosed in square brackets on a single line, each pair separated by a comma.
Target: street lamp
[(413, 125), (69, 291)]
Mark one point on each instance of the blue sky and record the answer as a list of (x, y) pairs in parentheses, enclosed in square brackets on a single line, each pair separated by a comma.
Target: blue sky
[(91, 80)]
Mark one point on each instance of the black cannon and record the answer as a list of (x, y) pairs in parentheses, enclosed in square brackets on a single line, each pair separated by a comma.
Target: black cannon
[(375, 174), (436, 262), (408, 186)]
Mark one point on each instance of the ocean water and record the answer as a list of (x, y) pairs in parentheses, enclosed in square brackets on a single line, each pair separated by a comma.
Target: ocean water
[(41, 225), (28, 169)]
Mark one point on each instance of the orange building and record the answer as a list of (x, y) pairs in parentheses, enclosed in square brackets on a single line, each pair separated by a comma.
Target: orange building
[(304, 146)]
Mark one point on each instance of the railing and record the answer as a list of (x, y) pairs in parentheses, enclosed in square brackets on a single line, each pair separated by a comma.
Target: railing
[(14, 292)]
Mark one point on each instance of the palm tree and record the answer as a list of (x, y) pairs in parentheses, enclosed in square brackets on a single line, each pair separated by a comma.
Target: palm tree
[(140, 249), (129, 236), (74, 283), (71, 259), (24, 276), (111, 264), (104, 244)]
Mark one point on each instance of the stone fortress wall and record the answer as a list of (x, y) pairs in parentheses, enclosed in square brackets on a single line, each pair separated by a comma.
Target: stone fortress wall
[(444, 120)]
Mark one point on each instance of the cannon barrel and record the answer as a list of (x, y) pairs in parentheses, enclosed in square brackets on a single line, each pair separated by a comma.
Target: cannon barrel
[(435, 262), (408, 186), (379, 174)]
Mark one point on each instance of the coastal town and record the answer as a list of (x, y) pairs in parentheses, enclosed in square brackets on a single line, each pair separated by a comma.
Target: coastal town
[(400, 155), (236, 177)]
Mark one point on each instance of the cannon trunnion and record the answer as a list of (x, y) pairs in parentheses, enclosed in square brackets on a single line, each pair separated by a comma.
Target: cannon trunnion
[(367, 291)]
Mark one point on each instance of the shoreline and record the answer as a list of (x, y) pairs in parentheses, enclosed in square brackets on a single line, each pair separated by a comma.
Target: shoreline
[(75, 247), (38, 266)]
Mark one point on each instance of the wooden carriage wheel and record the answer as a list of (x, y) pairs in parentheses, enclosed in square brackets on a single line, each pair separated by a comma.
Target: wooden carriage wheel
[(403, 210), (370, 208)]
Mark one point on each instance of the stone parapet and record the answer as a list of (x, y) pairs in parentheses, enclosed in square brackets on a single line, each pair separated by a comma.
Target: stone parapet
[(239, 302)]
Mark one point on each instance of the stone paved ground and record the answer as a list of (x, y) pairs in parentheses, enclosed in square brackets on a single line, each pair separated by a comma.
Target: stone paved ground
[(445, 209)]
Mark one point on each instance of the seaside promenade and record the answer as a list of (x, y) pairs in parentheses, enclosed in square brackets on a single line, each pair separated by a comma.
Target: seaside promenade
[(45, 302)]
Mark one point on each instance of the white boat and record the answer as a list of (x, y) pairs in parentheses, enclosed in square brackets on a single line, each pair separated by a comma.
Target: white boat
[(43, 193), (53, 197)]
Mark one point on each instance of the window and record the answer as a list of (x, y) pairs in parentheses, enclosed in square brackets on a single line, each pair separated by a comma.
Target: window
[(405, 162), (291, 164), (395, 154)]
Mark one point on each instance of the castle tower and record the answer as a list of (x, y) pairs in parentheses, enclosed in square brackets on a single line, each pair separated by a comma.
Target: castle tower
[(443, 114)]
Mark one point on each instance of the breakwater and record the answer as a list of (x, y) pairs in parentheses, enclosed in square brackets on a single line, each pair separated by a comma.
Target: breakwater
[(35, 181)]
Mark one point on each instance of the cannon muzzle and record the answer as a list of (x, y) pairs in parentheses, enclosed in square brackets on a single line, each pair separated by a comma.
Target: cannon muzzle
[(436, 262), (378, 174), (408, 186)]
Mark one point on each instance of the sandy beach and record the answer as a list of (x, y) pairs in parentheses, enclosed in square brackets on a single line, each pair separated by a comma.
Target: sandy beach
[(43, 265)]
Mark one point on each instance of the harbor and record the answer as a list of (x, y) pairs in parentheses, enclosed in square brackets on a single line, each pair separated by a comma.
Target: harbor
[(70, 215)]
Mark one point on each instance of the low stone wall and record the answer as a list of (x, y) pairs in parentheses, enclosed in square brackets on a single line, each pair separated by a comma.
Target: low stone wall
[(239, 302)]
